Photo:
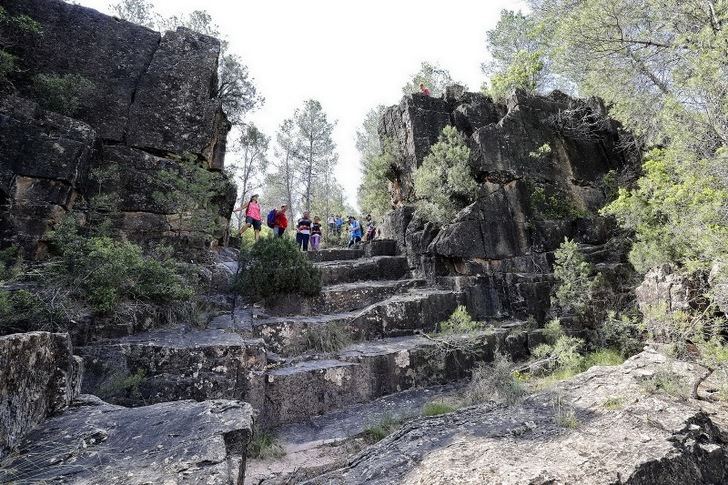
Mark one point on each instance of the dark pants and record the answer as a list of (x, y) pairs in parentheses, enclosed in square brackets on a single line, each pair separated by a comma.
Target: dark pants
[(278, 232), (354, 240), (302, 240)]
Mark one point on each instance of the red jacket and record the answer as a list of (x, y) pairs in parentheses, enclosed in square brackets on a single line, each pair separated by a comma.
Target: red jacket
[(281, 220)]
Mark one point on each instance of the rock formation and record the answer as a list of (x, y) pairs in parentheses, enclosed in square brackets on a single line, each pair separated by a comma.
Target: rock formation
[(152, 102), (545, 165), (603, 426), (40, 377)]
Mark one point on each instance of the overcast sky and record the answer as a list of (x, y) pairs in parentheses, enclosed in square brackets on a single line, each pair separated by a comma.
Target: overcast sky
[(350, 55)]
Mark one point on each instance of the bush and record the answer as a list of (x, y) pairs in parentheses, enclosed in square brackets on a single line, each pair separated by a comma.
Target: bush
[(61, 94), (265, 445), (444, 183), (104, 272), (576, 280), (460, 322), (276, 266), (377, 432), (494, 382), (554, 205), (523, 73)]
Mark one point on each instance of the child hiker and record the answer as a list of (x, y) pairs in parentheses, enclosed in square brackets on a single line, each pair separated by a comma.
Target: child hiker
[(316, 233)]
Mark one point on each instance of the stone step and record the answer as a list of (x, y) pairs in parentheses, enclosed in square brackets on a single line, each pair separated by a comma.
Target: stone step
[(172, 364), (374, 268), (326, 442), (362, 372), (380, 247), (344, 297), (335, 254), (418, 310)]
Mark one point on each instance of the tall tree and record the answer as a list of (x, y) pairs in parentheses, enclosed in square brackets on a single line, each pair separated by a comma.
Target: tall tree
[(436, 78), (137, 11), (281, 184), (315, 150), (376, 163), (250, 164)]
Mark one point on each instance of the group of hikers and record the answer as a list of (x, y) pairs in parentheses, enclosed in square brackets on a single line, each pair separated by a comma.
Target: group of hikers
[(308, 231)]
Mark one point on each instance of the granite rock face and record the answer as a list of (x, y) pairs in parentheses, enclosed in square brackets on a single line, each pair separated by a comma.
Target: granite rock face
[(545, 166), (152, 103), (40, 377), (176, 442), (621, 433)]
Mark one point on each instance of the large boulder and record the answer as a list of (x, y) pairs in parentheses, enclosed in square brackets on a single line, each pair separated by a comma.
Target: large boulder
[(174, 442), (40, 376), (603, 426), (176, 108)]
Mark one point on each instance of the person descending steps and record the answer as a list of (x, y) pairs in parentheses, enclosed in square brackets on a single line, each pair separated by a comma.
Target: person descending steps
[(252, 216)]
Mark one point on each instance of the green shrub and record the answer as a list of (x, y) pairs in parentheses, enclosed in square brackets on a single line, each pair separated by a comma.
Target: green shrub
[(555, 205), (667, 382), (541, 152), (276, 266), (104, 272), (377, 432), (444, 183), (436, 409), (62, 94), (265, 445), (326, 338), (523, 73), (577, 282), (460, 322), (10, 263), (24, 310), (494, 382)]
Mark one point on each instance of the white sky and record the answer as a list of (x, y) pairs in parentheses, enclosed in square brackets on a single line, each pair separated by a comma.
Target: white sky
[(350, 55)]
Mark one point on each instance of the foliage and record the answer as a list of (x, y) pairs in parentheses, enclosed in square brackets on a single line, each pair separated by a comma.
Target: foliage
[(378, 161), (460, 322), (326, 338), (191, 190), (140, 12), (436, 409), (677, 211), (104, 272), (541, 152), (433, 76), (523, 73), (444, 183), (123, 385), (555, 205), (613, 403), (276, 266), (576, 281), (265, 445), (24, 310), (62, 94), (10, 263), (494, 382), (377, 432), (668, 382), (249, 165), (564, 413), (620, 332)]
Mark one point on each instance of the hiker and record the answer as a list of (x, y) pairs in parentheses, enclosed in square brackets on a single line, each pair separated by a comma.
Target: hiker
[(303, 231), (252, 216), (331, 221), (371, 229), (424, 89), (354, 231), (339, 224), (280, 221), (316, 233)]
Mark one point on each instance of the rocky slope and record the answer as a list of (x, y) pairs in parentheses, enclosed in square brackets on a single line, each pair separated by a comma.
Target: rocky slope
[(545, 165), (152, 102), (603, 426)]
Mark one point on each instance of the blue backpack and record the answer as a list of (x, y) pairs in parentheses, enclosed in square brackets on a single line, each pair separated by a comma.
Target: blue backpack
[(271, 219)]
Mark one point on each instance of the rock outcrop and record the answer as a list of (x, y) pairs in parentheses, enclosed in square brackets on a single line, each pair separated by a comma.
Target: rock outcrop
[(174, 442), (152, 103), (40, 376), (545, 165), (603, 426)]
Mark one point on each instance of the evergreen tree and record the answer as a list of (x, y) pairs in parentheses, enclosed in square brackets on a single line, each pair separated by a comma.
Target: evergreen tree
[(433, 76)]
